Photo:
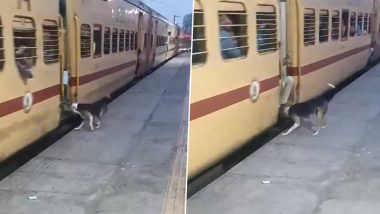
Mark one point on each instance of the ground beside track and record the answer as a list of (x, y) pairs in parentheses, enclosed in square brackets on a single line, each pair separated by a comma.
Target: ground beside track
[(124, 167), (335, 173)]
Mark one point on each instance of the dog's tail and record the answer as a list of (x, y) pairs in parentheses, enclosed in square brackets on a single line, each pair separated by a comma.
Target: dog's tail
[(330, 94)]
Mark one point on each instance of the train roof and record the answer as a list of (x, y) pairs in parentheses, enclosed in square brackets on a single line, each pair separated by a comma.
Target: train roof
[(155, 13)]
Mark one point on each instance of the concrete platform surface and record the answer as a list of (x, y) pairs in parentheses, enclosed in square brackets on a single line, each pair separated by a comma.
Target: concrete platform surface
[(123, 167), (337, 172)]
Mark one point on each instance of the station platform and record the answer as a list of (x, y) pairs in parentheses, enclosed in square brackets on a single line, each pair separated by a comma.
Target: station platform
[(132, 164), (337, 172)]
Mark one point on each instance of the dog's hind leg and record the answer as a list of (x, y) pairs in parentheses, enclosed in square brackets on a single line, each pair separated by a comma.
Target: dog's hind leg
[(296, 125), (324, 124), (91, 122), (320, 121), (97, 122), (80, 126)]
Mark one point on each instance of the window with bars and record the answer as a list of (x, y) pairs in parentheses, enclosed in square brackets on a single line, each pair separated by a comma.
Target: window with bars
[(127, 40), (335, 19), (24, 34), (2, 57), (115, 35), (359, 28), (370, 23), (365, 23), (309, 27), (121, 40), (136, 40), (266, 25), (97, 40), (85, 40), (233, 32), (200, 52), (353, 24), (50, 41), (324, 21), (107, 41), (132, 40), (345, 22)]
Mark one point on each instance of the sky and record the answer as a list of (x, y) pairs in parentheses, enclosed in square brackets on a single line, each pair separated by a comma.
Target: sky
[(170, 7)]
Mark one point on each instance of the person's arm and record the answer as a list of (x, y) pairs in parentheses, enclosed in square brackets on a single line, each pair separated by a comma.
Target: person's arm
[(229, 43)]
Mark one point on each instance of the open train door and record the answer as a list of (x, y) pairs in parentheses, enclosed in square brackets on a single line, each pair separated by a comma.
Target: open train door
[(150, 43), (139, 67), (143, 38), (154, 41)]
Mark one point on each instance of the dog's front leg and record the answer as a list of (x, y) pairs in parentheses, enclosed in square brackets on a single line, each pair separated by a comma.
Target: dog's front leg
[(294, 127)]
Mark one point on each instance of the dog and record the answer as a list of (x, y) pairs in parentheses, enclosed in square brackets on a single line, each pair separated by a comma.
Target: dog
[(318, 106), (91, 114)]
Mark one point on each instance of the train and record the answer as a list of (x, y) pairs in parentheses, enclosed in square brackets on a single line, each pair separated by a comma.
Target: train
[(57, 52), (252, 59)]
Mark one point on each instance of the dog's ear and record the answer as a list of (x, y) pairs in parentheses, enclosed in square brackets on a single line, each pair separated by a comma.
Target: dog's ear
[(74, 106)]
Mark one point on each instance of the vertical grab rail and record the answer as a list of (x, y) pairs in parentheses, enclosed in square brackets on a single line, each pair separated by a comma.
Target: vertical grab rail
[(62, 55), (77, 53), (287, 81)]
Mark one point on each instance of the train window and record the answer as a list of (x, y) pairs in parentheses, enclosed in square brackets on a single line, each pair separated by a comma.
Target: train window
[(85, 40), (335, 25), (233, 30), (345, 22), (115, 35), (107, 41), (309, 27), (127, 40), (353, 24), (145, 40), (24, 32), (365, 23), (97, 40), (136, 40), (51, 41), (200, 53), (359, 29), (121, 41), (324, 21), (370, 23), (132, 40), (266, 25), (2, 58)]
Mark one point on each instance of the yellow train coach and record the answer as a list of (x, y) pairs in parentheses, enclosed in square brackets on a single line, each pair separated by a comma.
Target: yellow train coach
[(251, 57), (55, 52)]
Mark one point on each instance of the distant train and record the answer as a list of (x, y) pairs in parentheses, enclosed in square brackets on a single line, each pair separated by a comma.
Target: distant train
[(252, 57), (55, 52)]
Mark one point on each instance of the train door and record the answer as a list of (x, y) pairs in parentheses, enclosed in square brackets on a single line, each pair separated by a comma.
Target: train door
[(142, 43), (154, 42), (139, 44), (149, 43)]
